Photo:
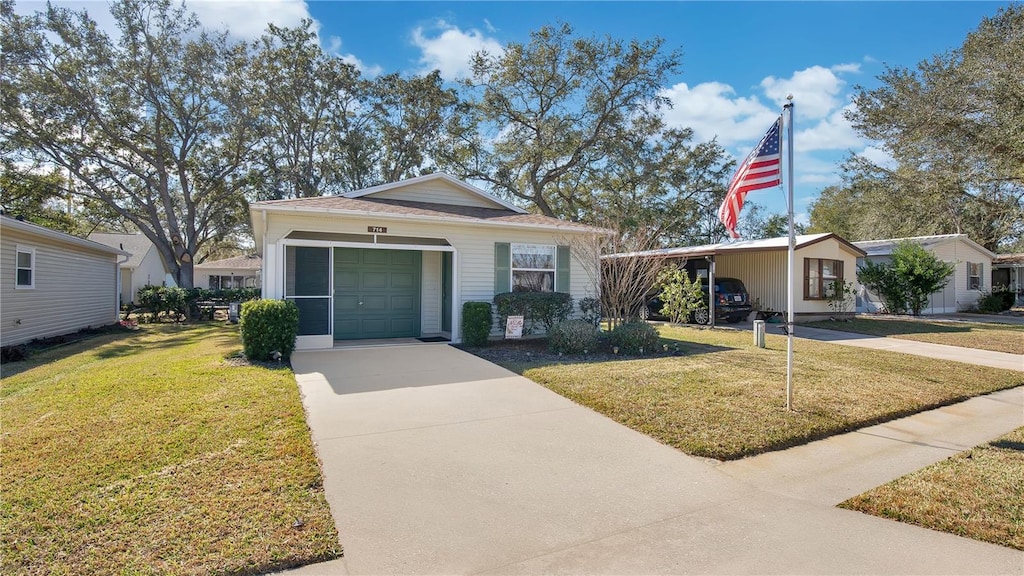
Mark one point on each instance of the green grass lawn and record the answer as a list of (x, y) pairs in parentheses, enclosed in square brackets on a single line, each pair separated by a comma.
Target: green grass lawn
[(149, 452), (978, 494), (724, 398), (981, 335)]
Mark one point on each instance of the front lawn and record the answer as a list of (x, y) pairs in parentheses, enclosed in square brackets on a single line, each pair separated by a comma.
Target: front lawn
[(152, 452), (724, 398), (978, 494), (981, 335)]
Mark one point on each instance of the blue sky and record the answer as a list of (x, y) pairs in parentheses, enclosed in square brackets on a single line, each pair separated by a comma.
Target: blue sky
[(740, 59)]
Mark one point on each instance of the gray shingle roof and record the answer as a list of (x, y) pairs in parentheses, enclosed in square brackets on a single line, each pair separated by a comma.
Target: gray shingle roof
[(135, 244), (245, 262)]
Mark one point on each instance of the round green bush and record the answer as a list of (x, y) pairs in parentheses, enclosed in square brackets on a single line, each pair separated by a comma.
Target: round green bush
[(573, 337), (269, 326), (476, 323), (634, 337)]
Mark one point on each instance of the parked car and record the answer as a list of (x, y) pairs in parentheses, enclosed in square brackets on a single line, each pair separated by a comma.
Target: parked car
[(732, 303)]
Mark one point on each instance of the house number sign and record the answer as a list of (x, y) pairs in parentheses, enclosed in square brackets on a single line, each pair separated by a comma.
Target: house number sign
[(377, 229)]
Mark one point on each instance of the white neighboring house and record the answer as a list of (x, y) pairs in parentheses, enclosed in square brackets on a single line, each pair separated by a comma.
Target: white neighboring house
[(144, 266), (52, 283), (235, 272), (971, 275), (400, 259), (1008, 271)]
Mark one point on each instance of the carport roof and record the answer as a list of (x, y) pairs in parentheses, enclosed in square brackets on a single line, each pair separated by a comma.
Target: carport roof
[(780, 243)]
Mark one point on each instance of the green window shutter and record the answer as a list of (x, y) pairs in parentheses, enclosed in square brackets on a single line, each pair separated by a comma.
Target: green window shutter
[(562, 262), (502, 267)]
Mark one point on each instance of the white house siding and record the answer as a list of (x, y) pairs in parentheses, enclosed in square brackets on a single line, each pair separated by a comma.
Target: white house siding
[(436, 192), (430, 301), (764, 274), (960, 253), (75, 288), (150, 272), (473, 245)]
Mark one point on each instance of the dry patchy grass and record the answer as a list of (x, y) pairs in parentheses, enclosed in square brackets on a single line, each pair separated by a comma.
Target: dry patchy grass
[(149, 453), (980, 335), (724, 398), (978, 494)]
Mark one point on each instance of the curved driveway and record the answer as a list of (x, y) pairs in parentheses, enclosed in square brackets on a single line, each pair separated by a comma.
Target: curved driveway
[(438, 462)]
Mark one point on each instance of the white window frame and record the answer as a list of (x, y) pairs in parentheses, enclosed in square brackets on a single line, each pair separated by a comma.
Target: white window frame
[(18, 250), (512, 269), (979, 276)]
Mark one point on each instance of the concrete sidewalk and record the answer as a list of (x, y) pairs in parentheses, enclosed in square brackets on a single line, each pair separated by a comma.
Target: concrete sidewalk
[(942, 351), (436, 461)]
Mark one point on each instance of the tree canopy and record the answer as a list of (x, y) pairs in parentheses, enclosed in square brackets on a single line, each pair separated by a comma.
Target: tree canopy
[(953, 127)]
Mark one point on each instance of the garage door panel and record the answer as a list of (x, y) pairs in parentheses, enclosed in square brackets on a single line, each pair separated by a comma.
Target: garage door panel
[(377, 293)]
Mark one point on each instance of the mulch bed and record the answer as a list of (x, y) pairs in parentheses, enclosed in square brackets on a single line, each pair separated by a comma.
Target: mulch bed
[(535, 350)]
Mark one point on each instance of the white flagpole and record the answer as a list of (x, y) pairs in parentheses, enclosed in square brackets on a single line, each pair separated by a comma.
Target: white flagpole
[(790, 257)]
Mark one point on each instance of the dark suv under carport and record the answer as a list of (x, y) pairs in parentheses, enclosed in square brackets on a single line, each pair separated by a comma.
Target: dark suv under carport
[(732, 303)]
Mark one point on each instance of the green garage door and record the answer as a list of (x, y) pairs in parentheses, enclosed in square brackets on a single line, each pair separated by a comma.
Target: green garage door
[(376, 293)]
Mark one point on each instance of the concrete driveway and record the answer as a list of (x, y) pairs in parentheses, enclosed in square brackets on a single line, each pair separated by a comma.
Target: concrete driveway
[(438, 462)]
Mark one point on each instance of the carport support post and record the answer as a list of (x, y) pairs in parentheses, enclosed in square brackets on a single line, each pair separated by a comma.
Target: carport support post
[(711, 291)]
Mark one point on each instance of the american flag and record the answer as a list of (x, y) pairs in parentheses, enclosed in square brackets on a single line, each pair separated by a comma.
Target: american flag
[(761, 169)]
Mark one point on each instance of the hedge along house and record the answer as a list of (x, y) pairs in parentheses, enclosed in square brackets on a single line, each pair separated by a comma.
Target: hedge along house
[(399, 260), (973, 265), (820, 259), (54, 283)]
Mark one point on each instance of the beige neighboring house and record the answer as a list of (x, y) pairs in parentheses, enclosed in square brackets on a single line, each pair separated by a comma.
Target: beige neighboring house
[(235, 272), (144, 266), (53, 283), (971, 275), (400, 259), (761, 265)]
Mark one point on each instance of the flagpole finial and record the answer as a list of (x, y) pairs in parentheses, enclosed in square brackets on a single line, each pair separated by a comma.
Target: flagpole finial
[(789, 97)]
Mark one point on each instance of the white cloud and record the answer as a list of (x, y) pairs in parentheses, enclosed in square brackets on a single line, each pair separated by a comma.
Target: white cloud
[(849, 68), (333, 47), (831, 133), (815, 90), (450, 50), (248, 19), (879, 156), (712, 109)]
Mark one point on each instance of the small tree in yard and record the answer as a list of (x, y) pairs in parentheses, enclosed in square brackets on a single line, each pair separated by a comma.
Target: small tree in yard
[(679, 295), (840, 296), (922, 272), (906, 282)]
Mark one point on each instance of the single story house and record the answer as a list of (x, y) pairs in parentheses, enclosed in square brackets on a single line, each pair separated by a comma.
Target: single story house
[(1008, 271), (399, 260), (144, 266), (235, 272), (973, 267), (53, 283), (819, 260)]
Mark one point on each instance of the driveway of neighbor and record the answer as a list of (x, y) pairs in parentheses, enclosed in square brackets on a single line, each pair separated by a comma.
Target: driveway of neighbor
[(436, 461)]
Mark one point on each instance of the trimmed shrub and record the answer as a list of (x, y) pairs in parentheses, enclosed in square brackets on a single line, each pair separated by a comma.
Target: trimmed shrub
[(544, 308), (634, 337), (476, 323), (269, 326), (573, 337), (995, 302), (590, 310), (163, 299)]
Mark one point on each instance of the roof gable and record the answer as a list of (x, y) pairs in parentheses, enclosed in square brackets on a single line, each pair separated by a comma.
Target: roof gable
[(886, 246), (435, 188), (137, 245)]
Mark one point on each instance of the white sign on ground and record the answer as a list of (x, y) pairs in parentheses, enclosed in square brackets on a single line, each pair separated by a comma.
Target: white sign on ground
[(514, 327)]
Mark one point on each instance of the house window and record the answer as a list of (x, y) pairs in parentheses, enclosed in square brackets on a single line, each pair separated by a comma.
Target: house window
[(974, 276), (25, 274), (533, 268), (819, 275), (226, 282)]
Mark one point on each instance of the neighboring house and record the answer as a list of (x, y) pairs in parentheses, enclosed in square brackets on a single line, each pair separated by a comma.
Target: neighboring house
[(53, 283), (973, 264), (820, 259), (400, 259), (144, 266), (1008, 271), (235, 272)]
